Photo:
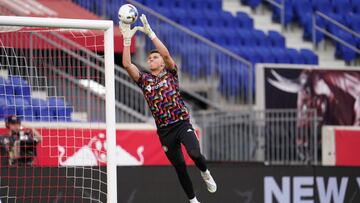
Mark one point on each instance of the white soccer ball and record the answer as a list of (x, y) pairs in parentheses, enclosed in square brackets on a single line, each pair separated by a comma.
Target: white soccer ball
[(128, 14)]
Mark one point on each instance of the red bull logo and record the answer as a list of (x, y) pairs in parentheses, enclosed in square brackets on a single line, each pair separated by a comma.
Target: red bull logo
[(93, 153)]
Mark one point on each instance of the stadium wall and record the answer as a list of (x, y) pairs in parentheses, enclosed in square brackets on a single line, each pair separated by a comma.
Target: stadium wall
[(83, 144), (243, 183), (236, 183)]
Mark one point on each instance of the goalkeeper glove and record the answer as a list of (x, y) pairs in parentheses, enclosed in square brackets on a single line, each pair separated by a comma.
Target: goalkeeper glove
[(147, 29), (128, 33)]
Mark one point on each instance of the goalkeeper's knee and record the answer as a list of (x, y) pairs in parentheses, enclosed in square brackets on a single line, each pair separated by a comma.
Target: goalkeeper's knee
[(195, 153)]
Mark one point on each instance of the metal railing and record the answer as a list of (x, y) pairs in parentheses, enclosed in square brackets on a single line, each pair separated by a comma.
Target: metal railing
[(130, 104), (281, 7), (127, 93), (316, 28), (271, 136)]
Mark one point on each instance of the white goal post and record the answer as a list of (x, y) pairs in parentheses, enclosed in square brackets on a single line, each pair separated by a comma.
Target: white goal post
[(107, 27)]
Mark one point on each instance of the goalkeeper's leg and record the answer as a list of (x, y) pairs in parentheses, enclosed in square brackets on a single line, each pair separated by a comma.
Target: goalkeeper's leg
[(176, 158), (191, 143), (173, 152)]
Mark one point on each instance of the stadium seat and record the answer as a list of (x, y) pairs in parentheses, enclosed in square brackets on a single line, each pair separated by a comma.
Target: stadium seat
[(23, 108), (57, 108), (253, 3), (309, 56), (280, 55), (276, 39), (40, 109), (266, 55), (324, 6), (356, 6), (2, 86), (301, 7), (341, 6), (308, 28), (331, 27), (20, 86), (353, 21), (214, 5), (295, 56), (260, 38), (245, 20), (343, 51), (289, 14)]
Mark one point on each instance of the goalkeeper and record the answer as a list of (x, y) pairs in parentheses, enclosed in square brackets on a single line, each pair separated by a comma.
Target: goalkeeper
[(161, 91)]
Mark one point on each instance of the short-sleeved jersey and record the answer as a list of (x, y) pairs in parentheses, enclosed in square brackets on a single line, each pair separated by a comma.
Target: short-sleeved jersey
[(163, 96)]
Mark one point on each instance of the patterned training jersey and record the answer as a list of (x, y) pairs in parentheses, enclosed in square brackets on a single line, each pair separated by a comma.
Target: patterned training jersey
[(163, 96)]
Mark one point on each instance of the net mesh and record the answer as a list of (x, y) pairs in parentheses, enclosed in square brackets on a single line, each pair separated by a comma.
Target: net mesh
[(53, 80)]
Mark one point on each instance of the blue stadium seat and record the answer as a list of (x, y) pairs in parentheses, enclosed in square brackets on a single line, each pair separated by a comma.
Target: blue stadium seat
[(309, 56), (353, 21), (342, 7), (253, 3), (276, 39), (342, 50), (2, 86), (301, 7), (245, 20), (229, 83), (247, 37), (180, 4), (57, 107), (295, 56), (40, 109), (260, 38), (20, 86), (266, 55), (323, 6), (3, 107), (214, 5), (280, 55), (355, 4), (23, 108), (331, 27), (289, 14), (308, 28)]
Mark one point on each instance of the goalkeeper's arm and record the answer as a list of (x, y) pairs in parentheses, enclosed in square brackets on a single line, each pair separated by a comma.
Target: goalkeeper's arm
[(127, 33), (164, 52)]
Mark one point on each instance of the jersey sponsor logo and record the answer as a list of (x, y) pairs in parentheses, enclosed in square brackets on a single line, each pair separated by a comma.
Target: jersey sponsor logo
[(161, 84)]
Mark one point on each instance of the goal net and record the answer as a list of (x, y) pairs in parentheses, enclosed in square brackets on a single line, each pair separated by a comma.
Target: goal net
[(57, 79)]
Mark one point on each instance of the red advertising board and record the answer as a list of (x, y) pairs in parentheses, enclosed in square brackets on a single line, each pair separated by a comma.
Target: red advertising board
[(85, 146), (347, 147)]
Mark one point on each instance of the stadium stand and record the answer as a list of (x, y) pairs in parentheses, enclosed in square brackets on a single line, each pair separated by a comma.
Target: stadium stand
[(15, 98), (345, 12), (233, 32)]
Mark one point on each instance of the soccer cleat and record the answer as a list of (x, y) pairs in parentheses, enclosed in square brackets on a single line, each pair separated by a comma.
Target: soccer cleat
[(194, 200), (210, 182)]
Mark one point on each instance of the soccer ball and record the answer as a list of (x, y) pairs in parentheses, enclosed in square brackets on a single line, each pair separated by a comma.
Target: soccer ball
[(128, 14)]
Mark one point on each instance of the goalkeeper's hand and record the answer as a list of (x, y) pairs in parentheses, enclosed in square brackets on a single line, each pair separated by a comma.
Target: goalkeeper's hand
[(147, 29), (128, 33)]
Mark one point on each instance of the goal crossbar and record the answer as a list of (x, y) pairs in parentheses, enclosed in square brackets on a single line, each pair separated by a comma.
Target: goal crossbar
[(56, 22), (107, 26)]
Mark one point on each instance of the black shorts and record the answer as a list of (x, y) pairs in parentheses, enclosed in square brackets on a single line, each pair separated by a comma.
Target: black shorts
[(173, 135)]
